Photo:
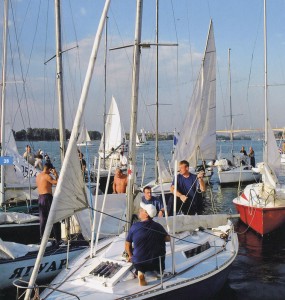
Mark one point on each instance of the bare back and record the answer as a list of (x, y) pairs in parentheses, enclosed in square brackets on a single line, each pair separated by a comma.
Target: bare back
[(44, 183)]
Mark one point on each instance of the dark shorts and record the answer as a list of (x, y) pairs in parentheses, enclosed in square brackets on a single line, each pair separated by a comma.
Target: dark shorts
[(154, 266)]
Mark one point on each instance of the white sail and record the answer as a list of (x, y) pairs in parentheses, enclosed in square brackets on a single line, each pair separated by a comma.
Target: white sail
[(115, 133), (21, 173), (83, 137), (137, 139), (143, 137), (197, 138)]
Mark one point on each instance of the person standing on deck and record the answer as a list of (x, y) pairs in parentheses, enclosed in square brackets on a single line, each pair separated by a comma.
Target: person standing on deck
[(120, 182), (44, 183), (251, 156), (189, 188), (29, 156)]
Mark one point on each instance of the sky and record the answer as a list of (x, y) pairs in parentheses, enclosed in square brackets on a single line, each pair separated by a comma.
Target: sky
[(31, 99)]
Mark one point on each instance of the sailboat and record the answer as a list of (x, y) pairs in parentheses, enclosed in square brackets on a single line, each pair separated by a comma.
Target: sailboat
[(143, 137), (17, 259), (17, 175), (236, 168), (84, 138), (262, 205), (198, 260), (197, 140), (138, 141), (115, 139)]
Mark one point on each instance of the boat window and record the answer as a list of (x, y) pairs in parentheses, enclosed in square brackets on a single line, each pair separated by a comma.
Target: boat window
[(197, 250)]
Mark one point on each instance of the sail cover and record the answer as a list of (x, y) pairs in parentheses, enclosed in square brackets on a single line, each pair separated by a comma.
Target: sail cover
[(115, 133), (197, 138)]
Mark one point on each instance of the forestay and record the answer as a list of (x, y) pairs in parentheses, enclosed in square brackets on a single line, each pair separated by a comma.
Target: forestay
[(198, 135)]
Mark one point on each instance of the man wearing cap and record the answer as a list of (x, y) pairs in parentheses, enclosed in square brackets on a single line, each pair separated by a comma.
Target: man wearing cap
[(44, 183), (148, 238), (147, 198)]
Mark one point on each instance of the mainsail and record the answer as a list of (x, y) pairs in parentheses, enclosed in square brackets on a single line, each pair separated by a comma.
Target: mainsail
[(83, 137), (115, 133), (197, 138)]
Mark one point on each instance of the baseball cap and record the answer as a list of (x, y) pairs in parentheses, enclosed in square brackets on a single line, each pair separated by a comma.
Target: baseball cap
[(149, 208)]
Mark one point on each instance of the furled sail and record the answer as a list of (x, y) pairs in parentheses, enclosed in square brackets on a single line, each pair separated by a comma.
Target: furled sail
[(197, 138)]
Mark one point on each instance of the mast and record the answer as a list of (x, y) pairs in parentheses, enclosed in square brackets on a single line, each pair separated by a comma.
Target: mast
[(134, 107), (105, 95), (156, 86), (265, 90), (3, 96), (59, 76), (230, 92), (72, 142)]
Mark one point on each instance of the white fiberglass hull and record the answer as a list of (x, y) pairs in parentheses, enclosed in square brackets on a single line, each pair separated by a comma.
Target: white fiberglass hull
[(201, 273), (54, 260), (239, 174)]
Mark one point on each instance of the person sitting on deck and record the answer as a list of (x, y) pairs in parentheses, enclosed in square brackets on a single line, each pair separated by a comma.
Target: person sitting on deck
[(148, 238), (29, 156), (147, 198)]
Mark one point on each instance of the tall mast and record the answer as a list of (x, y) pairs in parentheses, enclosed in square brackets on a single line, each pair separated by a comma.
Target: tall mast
[(3, 96), (230, 92), (265, 90), (105, 95), (59, 76), (156, 134), (72, 142), (134, 108)]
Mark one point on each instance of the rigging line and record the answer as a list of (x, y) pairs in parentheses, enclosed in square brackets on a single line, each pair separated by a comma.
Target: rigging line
[(24, 77), (177, 56), (76, 39), (251, 62), (157, 231), (44, 66)]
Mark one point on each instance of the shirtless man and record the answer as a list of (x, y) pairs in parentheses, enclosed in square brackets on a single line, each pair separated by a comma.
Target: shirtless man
[(120, 182), (44, 183)]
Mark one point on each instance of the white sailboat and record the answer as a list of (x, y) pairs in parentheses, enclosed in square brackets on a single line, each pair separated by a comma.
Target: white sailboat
[(138, 141), (234, 167), (262, 205), (115, 139), (143, 137), (197, 140), (17, 259), (198, 259), (84, 137)]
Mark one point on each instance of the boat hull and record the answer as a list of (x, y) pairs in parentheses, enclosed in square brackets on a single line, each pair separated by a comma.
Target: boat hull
[(235, 176), (54, 260), (261, 220)]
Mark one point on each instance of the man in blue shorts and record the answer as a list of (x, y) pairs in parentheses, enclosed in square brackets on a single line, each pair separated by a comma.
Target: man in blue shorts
[(148, 239), (189, 188), (147, 198)]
